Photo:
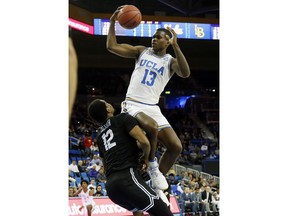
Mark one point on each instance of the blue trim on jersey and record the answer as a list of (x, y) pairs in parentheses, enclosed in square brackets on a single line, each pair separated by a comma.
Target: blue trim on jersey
[(141, 55), (133, 100), (171, 73), (157, 56), (163, 127)]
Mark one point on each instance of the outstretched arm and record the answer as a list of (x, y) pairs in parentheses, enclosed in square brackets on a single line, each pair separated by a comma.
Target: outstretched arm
[(73, 76), (77, 192), (178, 64), (123, 50)]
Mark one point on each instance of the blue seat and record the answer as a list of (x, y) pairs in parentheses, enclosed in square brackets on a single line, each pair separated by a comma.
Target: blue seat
[(102, 185), (84, 175), (73, 184), (87, 179), (177, 177), (78, 180), (72, 174)]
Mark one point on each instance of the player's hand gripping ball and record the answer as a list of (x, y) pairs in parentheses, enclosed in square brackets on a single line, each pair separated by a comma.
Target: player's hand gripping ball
[(129, 17)]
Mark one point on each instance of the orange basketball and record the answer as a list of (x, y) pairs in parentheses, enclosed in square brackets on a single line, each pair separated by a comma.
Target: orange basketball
[(129, 17)]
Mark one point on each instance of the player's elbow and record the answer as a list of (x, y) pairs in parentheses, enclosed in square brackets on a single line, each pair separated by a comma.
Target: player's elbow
[(186, 74), (109, 46)]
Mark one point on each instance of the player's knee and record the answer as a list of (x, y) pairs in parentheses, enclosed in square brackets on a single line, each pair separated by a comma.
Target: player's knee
[(175, 147), (153, 126), (178, 147)]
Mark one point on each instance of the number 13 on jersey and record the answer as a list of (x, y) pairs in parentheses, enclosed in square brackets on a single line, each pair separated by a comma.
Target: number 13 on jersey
[(149, 77)]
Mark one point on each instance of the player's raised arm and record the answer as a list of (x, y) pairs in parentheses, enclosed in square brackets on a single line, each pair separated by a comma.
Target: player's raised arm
[(123, 50), (179, 64)]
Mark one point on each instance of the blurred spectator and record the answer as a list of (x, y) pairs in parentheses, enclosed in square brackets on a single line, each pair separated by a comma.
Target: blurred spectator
[(92, 184), (213, 155), (96, 160), (101, 176), (171, 179), (186, 198), (71, 179), (196, 199), (93, 173), (183, 159), (215, 201), (88, 163), (74, 168), (99, 191), (217, 151), (80, 166), (183, 184), (185, 177), (87, 144), (193, 157), (204, 149), (71, 191), (194, 183), (94, 148), (206, 198)]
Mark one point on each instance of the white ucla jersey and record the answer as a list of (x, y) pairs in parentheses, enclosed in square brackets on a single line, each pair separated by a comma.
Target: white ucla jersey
[(149, 78)]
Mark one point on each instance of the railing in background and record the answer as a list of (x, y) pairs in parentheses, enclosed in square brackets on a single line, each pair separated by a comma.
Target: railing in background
[(179, 169)]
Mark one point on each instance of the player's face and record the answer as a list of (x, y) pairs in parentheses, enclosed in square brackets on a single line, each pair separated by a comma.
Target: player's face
[(159, 40), (84, 185), (109, 107)]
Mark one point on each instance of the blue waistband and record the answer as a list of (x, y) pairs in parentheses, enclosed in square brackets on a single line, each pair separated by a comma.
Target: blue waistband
[(133, 100)]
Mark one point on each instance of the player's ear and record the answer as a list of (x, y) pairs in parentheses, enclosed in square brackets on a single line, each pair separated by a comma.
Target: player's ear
[(168, 40)]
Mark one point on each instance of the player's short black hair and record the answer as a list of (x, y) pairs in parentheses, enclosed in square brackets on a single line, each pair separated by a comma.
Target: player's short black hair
[(84, 181), (167, 32), (97, 110)]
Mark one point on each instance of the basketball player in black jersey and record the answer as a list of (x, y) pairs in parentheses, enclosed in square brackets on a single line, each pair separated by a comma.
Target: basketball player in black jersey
[(116, 139)]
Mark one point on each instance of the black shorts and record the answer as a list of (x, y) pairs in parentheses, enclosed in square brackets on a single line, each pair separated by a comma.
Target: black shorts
[(127, 189)]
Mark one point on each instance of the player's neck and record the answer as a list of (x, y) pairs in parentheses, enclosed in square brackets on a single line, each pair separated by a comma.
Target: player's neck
[(159, 52)]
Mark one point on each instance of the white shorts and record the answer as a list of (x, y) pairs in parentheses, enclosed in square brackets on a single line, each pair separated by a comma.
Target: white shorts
[(134, 107)]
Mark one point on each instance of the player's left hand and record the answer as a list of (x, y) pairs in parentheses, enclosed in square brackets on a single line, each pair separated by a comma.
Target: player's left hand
[(143, 164), (172, 40)]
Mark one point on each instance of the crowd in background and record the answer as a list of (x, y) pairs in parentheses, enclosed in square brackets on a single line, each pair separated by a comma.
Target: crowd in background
[(194, 193)]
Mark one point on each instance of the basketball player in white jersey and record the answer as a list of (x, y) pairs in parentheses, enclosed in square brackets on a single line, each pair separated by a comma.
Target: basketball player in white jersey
[(86, 195), (153, 70)]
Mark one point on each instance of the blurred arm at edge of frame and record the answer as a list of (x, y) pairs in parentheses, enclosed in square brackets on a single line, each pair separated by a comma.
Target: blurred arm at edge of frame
[(73, 76)]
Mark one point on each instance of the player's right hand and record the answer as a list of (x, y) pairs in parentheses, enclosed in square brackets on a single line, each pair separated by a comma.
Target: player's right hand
[(114, 15)]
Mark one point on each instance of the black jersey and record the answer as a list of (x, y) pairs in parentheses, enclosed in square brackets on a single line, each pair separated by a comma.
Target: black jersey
[(117, 148)]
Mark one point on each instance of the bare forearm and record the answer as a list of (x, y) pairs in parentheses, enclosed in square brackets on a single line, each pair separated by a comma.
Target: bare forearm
[(184, 70), (111, 37), (146, 150)]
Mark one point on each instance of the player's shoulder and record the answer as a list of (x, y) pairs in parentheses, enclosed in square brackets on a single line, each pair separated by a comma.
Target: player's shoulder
[(141, 48)]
